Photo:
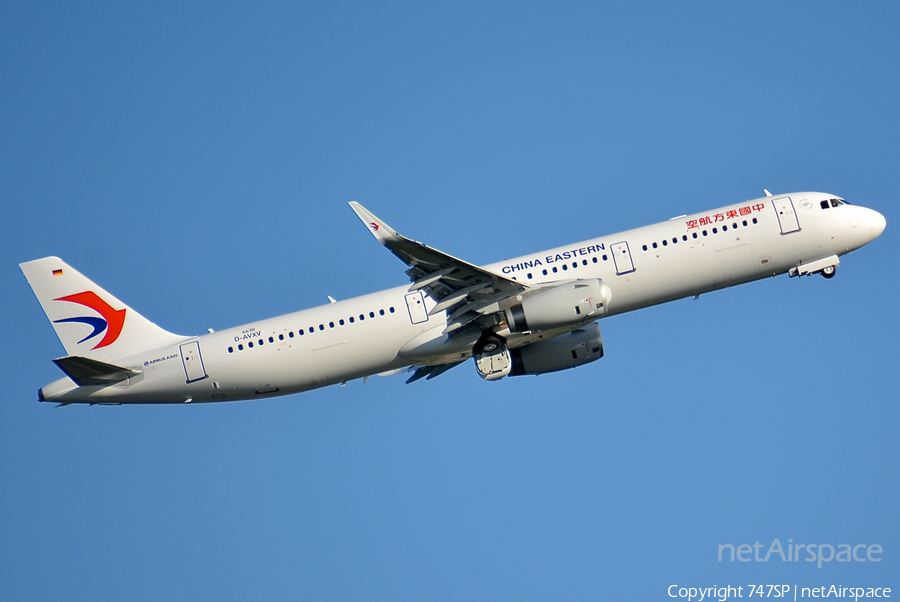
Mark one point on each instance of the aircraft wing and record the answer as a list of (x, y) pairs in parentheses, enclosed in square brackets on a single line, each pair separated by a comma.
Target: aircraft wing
[(467, 291)]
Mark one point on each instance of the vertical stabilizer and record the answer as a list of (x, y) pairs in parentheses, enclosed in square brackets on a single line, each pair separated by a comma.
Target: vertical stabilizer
[(89, 321)]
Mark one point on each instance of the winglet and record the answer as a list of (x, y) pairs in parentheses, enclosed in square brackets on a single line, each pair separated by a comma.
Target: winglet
[(380, 230)]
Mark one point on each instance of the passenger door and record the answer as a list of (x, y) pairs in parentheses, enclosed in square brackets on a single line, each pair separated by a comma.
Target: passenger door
[(787, 217), (192, 362)]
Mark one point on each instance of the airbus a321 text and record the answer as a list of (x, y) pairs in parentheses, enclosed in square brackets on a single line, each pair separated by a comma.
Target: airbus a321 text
[(529, 315)]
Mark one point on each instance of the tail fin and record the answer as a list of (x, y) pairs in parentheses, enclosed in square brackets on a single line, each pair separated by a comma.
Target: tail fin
[(89, 321)]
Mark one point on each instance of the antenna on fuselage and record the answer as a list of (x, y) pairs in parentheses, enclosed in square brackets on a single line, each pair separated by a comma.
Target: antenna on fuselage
[(767, 192)]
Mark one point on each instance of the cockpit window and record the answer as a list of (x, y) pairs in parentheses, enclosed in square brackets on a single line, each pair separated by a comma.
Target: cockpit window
[(833, 203)]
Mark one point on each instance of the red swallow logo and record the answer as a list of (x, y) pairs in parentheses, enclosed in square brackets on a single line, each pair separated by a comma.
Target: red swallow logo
[(112, 321), (374, 226)]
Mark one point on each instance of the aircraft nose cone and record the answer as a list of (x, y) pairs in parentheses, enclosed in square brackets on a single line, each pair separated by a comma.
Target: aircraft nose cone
[(878, 224)]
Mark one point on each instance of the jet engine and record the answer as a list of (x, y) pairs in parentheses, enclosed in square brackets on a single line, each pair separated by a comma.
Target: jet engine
[(569, 350), (559, 305)]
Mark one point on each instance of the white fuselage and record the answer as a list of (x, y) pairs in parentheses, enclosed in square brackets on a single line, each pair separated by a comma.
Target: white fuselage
[(391, 329)]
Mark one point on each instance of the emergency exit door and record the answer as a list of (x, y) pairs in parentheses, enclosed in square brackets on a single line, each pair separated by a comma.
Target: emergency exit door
[(415, 304), (622, 258), (787, 217)]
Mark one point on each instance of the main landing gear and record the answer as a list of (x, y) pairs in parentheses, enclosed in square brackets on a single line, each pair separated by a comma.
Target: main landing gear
[(492, 358), (829, 272)]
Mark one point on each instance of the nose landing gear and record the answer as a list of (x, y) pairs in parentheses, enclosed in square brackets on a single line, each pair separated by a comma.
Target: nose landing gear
[(826, 266)]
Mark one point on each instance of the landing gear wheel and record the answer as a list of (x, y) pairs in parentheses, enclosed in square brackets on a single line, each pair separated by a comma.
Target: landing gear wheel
[(488, 344), (829, 272), (493, 359)]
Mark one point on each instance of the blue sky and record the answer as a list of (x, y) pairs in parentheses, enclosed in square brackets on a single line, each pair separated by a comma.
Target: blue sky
[(196, 160)]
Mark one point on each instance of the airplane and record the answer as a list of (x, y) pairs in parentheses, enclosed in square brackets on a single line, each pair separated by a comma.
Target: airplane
[(532, 315)]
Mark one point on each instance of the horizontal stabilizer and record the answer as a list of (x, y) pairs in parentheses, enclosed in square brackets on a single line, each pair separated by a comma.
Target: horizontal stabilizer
[(87, 371)]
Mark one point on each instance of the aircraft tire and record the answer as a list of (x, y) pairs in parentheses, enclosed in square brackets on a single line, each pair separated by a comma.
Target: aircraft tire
[(829, 272), (488, 344)]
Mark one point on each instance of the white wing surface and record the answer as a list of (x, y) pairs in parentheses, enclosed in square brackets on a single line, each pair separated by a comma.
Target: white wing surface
[(467, 292)]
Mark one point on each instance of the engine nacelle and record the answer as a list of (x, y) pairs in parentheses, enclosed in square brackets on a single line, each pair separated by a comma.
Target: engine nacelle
[(560, 305), (569, 350)]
